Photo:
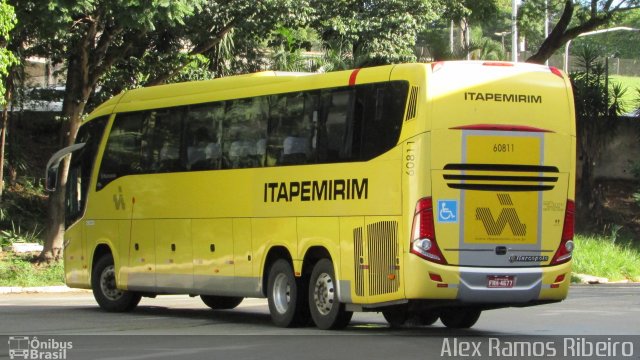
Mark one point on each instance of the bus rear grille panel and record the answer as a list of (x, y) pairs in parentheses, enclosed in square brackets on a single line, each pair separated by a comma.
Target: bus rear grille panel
[(358, 260), (382, 240), (413, 101), (501, 177)]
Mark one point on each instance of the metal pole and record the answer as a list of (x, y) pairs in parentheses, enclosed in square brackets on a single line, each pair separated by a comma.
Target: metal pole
[(451, 37), (566, 57), (514, 30), (546, 23)]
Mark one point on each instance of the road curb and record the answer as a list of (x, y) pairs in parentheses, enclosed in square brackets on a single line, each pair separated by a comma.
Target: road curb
[(38, 289)]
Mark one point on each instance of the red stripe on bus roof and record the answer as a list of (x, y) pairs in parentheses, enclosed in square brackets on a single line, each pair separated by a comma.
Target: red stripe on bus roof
[(352, 78)]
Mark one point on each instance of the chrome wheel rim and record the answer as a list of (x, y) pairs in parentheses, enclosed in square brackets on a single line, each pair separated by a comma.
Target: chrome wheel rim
[(281, 293), (324, 294), (108, 284)]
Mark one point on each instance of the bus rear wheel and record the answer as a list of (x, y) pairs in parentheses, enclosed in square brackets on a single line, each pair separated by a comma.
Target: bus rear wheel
[(460, 318), (396, 316), (105, 291), (326, 310), (221, 302), (287, 304)]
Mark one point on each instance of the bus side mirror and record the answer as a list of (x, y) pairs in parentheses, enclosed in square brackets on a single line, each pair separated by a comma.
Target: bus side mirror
[(51, 179), (51, 174)]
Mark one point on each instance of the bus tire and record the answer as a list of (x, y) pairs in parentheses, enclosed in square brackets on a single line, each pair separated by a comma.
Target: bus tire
[(396, 316), (460, 318), (221, 302), (327, 312), (287, 304), (103, 284)]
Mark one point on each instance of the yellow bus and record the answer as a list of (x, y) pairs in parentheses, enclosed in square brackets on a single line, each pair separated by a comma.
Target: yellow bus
[(422, 191)]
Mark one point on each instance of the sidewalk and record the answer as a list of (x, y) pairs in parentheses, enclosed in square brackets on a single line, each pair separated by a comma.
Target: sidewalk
[(39, 289)]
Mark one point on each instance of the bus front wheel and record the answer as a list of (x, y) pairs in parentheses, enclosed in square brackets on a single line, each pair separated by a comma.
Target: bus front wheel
[(221, 302), (287, 303), (326, 310), (105, 291), (460, 318)]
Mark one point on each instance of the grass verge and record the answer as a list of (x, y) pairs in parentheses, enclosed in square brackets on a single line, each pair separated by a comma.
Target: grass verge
[(606, 257), (18, 270), (630, 98)]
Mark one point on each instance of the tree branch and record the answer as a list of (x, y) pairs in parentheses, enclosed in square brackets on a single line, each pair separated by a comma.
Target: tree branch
[(203, 47)]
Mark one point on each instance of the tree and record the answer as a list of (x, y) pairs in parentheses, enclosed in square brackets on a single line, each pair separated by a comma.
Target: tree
[(7, 23), (96, 38), (372, 32), (578, 17), (7, 59)]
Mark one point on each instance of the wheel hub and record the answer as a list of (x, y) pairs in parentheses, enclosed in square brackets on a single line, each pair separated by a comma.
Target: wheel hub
[(281, 293), (324, 293), (108, 284)]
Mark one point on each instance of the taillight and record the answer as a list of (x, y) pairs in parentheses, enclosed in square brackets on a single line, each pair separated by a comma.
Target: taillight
[(565, 250), (556, 71), (423, 234)]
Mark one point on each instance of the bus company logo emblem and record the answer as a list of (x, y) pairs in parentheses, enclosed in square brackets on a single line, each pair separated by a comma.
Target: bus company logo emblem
[(508, 215), (26, 347), (447, 211), (118, 199), (19, 347)]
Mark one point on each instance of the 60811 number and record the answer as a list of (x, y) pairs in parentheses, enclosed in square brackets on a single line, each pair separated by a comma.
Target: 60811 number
[(503, 148)]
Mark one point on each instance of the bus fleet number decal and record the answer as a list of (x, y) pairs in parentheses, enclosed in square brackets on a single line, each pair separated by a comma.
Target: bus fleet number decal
[(410, 158), (503, 148)]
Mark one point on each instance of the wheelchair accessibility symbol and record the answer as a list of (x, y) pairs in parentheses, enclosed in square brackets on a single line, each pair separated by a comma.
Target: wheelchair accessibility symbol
[(447, 211)]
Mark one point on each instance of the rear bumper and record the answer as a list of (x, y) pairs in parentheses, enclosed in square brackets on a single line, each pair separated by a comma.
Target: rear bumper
[(469, 284)]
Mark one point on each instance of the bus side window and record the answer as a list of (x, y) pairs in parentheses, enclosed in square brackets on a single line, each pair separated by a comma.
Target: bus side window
[(382, 114), (337, 128), (204, 151), (290, 129), (244, 126), (123, 154), (164, 139)]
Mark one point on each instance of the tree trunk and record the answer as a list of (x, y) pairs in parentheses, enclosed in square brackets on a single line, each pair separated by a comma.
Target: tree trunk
[(76, 94), (556, 39), (55, 225), (562, 34), (3, 136)]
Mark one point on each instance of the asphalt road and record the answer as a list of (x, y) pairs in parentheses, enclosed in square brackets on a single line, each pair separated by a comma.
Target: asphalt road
[(182, 327)]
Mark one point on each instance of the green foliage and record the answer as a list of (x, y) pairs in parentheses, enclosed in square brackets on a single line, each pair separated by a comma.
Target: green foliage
[(18, 270), (531, 19), (597, 106), (375, 32), (22, 213), (607, 257), (288, 46), (7, 58), (18, 235)]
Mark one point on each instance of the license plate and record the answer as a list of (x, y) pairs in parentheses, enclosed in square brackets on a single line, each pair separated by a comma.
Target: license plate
[(500, 281)]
